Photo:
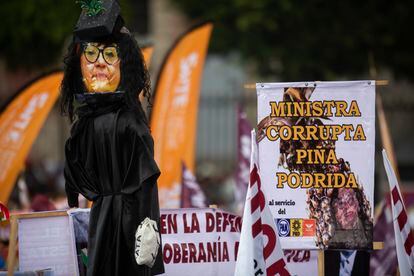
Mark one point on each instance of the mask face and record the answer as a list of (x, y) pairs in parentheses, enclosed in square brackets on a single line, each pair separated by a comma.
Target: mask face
[(100, 66), (346, 208)]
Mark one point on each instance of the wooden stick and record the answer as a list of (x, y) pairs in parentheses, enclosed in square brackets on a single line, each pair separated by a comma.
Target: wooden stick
[(377, 83), (60, 213), (378, 245), (11, 257), (381, 83), (321, 263), (386, 136), (250, 86)]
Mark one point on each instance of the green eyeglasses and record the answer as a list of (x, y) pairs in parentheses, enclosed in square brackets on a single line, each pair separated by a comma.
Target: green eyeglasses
[(92, 52)]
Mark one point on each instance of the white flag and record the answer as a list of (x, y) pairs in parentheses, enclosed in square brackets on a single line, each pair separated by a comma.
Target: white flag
[(259, 251), (404, 239)]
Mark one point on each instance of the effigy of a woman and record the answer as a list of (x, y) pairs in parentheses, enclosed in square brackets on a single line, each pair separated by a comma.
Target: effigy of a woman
[(109, 154)]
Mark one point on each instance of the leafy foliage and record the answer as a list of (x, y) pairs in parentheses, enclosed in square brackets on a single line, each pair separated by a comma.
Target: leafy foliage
[(33, 33), (315, 39), (92, 7)]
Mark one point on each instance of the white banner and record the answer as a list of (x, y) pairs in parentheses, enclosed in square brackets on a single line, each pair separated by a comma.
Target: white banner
[(316, 155), (199, 241), (47, 243), (302, 262), (203, 241)]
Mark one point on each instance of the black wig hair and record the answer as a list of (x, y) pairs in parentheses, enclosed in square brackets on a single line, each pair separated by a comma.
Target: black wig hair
[(134, 75)]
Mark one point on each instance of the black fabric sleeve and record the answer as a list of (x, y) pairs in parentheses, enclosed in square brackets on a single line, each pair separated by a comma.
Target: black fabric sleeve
[(158, 267), (70, 193), (73, 201), (149, 207), (149, 166), (141, 157)]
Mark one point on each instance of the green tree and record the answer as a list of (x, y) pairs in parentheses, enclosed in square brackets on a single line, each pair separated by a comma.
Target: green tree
[(33, 32), (315, 39)]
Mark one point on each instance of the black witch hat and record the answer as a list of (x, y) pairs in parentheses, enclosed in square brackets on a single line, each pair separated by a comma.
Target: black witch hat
[(99, 20)]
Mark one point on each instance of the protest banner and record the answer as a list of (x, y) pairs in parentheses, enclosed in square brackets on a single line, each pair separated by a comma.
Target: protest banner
[(302, 262), (211, 250), (196, 241), (204, 241), (316, 155)]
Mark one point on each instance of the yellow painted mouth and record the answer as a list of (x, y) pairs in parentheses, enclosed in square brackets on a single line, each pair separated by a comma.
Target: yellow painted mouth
[(100, 85)]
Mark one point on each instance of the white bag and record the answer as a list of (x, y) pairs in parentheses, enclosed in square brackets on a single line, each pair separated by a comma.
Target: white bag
[(147, 242)]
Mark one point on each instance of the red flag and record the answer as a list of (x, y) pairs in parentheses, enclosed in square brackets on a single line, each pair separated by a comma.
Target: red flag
[(403, 236), (191, 193), (384, 262), (4, 212), (243, 163), (259, 249)]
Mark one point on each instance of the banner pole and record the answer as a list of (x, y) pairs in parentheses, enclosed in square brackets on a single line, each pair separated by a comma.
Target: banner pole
[(385, 135), (381, 83), (11, 258), (378, 245), (377, 83), (321, 263)]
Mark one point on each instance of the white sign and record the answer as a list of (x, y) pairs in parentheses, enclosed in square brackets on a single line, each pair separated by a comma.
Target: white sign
[(47, 242), (302, 262), (199, 241), (195, 242), (316, 158)]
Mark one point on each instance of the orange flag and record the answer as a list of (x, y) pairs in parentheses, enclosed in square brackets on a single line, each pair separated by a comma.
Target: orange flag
[(174, 115), (20, 124), (147, 53)]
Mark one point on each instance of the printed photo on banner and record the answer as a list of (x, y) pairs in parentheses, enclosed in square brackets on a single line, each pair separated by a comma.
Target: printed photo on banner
[(316, 156)]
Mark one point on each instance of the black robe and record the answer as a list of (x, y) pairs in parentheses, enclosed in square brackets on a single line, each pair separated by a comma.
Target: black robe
[(109, 160)]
